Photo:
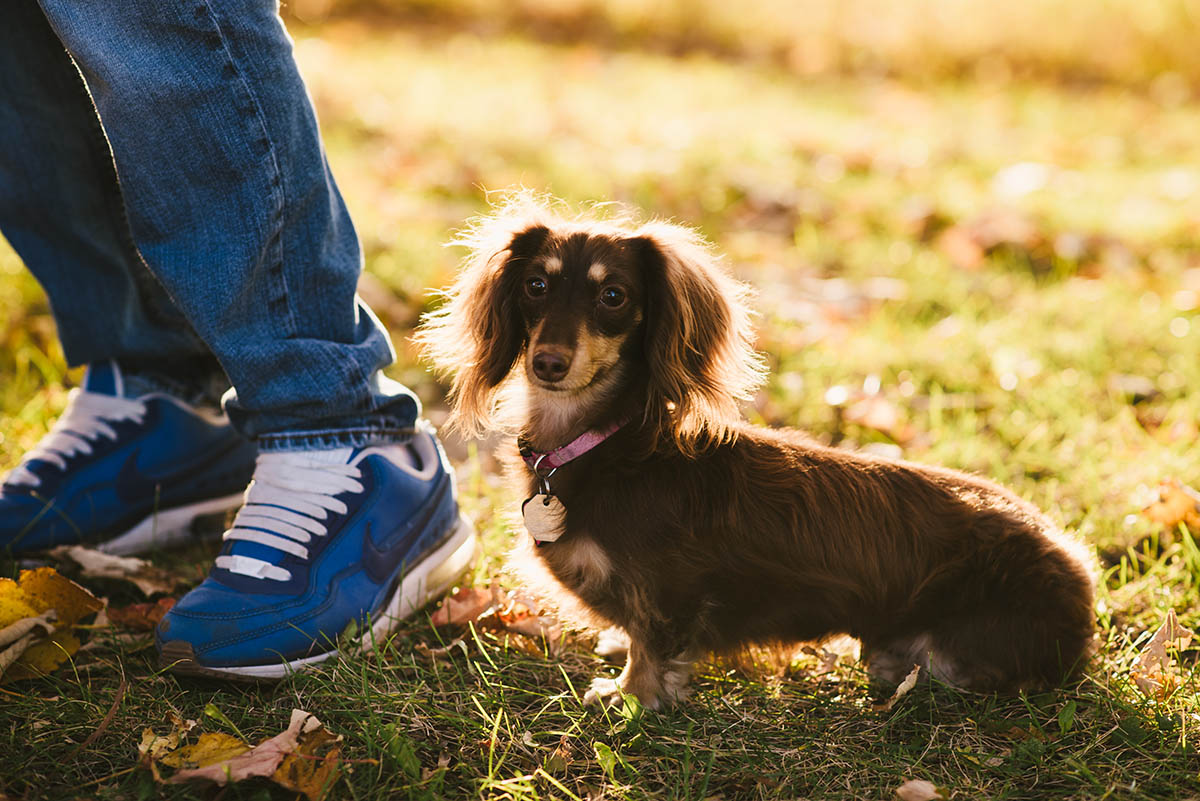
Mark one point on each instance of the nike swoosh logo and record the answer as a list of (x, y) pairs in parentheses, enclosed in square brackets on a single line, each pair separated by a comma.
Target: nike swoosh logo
[(380, 563), (133, 486)]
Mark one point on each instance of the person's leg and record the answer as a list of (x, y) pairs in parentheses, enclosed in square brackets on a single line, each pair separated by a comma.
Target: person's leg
[(233, 207), (61, 209), (351, 520)]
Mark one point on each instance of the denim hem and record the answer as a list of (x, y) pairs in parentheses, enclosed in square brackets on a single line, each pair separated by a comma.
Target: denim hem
[(203, 392), (333, 438)]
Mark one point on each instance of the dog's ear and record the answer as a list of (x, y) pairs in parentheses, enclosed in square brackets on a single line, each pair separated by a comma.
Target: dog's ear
[(478, 334), (698, 339)]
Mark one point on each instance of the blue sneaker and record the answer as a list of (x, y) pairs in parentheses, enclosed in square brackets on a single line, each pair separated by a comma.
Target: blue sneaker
[(331, 546), (124, 474)]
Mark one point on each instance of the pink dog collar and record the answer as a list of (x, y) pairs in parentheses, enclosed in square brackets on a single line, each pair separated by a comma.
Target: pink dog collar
[(552, 460)]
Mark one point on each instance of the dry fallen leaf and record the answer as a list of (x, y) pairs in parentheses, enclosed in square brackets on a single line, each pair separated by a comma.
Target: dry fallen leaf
[(491, 609), (1154, 669), (464, 605), (902, 689), (17, 637), (826, 660), (314, 765), (304, 757), (154, 746), (41, 649), (196, 761), (1177, 503), (95, 564), (558, 761), (522, 616), (140, 617), (918, 790)]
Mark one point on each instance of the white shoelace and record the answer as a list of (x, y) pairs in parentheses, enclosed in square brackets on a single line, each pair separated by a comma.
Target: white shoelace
[(291, 495), (87, 418)]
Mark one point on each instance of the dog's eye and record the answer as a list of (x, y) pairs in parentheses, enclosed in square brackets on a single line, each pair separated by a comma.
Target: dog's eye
[(535, 287), (612, 296)]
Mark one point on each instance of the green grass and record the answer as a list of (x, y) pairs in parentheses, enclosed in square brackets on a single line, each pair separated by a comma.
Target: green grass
[(815, 188)]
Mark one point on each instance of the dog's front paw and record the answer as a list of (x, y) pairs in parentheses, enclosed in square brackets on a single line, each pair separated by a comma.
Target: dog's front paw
[(611, 692), (603, 692)]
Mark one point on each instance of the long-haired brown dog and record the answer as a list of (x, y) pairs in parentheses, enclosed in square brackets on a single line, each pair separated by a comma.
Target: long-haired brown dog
[(697, 532)]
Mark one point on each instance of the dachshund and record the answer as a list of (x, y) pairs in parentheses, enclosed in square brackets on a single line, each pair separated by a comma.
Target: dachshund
[(617, 352)]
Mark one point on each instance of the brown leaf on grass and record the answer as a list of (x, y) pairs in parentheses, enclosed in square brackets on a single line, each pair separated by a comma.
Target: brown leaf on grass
[(902, 689), (1154, 670), (38, 641), (140, 617), (314, 766), (464, 605), (496, 611), (304, 757), (1177, 503), (146, 577), (523, 616), (918, 790)]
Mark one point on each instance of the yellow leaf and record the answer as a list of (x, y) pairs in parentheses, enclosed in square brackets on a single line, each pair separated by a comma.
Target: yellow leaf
[(14, 606), (304, 757), (44, 589), (211, 749), (35, 593), (43, 658)]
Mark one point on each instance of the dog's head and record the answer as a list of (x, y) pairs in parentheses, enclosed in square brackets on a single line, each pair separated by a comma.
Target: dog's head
[(596, 315)]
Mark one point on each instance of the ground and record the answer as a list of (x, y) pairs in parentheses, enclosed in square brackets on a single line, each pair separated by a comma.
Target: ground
[(963, 258)]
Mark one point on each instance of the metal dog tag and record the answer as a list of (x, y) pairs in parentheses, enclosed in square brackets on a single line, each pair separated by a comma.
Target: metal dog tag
[(544, 517)]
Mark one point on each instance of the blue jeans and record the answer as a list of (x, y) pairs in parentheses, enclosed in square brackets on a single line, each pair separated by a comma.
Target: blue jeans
[(223, 241)]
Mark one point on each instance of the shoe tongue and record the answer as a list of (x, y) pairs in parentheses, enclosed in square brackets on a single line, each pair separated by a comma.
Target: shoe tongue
[(104, 378), (401, 454), (330, 456)]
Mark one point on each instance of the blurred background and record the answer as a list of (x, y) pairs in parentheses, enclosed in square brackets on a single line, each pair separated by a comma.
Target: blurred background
[(973, 225)]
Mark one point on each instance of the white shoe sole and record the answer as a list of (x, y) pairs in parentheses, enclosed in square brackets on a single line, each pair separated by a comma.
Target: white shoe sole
[(167, 527), (428, 579)]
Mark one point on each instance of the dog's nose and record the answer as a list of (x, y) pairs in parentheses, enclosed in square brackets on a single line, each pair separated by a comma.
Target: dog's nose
[(550, 365)]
